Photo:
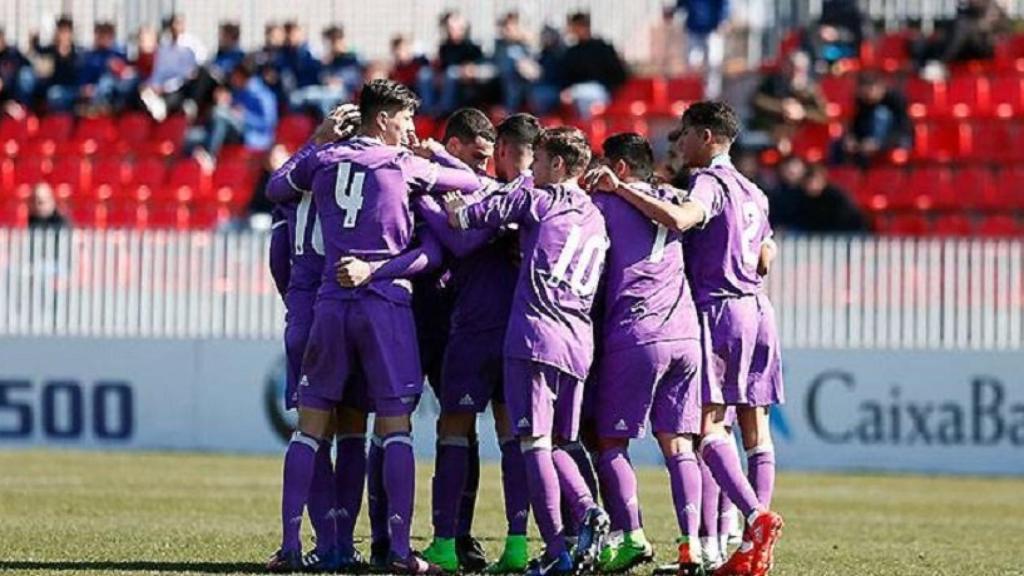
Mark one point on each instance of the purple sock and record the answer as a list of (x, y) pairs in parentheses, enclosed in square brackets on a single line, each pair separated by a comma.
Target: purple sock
[(400, 486), (761, 473), (583, 463), (619, 481), (450, 472), (376, 497), (726, 517), (467, 503), (574, 487), (349, 477), (321, 499), (513, 483), (719, 452), (299, 461), (708, 504), (684, 474), (545, 499)]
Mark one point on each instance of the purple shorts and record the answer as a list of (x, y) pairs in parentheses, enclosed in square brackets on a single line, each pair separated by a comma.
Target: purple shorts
[(373, 333), (298, 321), (742, 362), (660, 381), (542, 400), (472, 373)]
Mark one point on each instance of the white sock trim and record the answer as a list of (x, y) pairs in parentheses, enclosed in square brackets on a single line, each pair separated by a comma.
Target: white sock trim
[(535, 443), (300, 438), (767, 448), (376, 441), (712, 439), (399, 438), (459, 441)]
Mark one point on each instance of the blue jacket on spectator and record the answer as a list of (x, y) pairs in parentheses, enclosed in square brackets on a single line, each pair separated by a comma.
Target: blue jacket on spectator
[(300, 65), (96, 62), (704, 16), (227, 60), (260, 114)]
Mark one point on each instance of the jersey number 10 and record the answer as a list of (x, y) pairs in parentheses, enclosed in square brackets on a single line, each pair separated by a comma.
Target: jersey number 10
[(589, 263)]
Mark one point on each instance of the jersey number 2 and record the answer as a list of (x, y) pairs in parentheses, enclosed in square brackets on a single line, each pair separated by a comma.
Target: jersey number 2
[(751, 226), (348, 192)]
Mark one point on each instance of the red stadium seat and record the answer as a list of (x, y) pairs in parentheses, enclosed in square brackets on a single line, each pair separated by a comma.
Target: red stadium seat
[(56, 127), (293, 130), (841, 94), (1001, 226), (682, 91), (1011, 187), (636, 96), (88, 214), (973, 188), (847, 178), (148, 176), (941, 141), (28, 171), (1010, 53), (15, 133), (904, 225), (70, 176), (924, 187), (890, 52), (134, 128), (109, 176), (126, 215), (968, 96), (996, 141), (880, 184), (187, 181), (233, 184), (953, 225), (13, 214), (167, 136), (812, 141), (1007, 96), (208, 217), (237, 153), (926, 99), (167, 216), (91, 133)]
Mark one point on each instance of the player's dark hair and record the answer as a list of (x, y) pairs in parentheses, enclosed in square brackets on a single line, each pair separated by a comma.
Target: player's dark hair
[(717, 117), (569, 144), (521, 129), (467, 124), (634, 150), (385, 95)]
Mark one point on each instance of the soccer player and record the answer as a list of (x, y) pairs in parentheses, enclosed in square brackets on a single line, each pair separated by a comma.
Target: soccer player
[(650, 363), (729, 252), (548, 343), (361, 188), (483, 280)]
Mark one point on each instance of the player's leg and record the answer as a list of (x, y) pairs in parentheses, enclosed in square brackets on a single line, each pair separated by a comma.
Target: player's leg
[(349, 478), (471, 553), (531, 410), (451, 463), (322, 507), (515, 556), (377, 503)]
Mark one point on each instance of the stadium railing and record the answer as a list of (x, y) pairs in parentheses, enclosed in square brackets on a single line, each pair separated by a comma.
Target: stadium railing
[(828, 291)]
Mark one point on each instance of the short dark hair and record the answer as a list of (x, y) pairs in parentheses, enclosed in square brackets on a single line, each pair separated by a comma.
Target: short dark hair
[(378, 95), (717, 117), (232, 30), (65, 21), (103, 27), (522, 129), (569, 144), (333, 31), (634, 150), (467, 124), (580, 19)]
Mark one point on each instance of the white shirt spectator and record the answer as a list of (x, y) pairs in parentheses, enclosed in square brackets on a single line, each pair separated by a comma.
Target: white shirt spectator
[(175, 61)]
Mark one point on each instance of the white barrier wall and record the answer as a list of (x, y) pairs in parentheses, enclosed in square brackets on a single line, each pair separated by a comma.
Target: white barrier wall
[(922, 411)]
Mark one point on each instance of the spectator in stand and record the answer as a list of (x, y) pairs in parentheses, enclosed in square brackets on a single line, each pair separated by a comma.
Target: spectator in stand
[(823, 207), (341, 76), (785, 196), (461, 69), (837, 36), (103, 72), (667, 43), (57, 66), (705, 23), (408, 67), (267, 57), (592, 68), (787, 99), (17, 80), (975, 31), (880, 123), (516, 66), (42, 210), (298, 67), (170, 87), (146, 44), (244, 112), (229, 52), (545, 93)]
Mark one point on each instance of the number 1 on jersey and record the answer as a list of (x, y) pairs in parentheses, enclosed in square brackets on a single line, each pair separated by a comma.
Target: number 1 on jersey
[(349, 194)]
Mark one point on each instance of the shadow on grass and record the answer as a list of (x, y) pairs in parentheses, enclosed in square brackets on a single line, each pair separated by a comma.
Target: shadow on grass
[(135, 566)]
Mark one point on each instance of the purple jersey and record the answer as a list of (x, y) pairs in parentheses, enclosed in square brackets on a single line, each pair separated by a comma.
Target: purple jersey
[(484, 276), (646, 296), (563, 242), (304, 229), (723, 254), (361, 188)]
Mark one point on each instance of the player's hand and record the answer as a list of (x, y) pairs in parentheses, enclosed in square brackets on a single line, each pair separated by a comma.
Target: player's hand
[(425, 148), (601, 179), (352, 272), (453, 204), (340, 124)]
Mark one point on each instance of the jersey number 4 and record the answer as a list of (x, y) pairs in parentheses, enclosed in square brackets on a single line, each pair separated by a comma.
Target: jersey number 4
[(587, 272), (348, 192)]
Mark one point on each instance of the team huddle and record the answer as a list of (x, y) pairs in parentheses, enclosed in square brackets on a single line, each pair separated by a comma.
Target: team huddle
[(554, 292)]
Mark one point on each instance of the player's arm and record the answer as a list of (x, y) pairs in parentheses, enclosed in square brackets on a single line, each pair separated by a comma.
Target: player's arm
[(294, 177), (493, 212), (678, 217), (769, 250), (458, 242), (280, 254), (426, 176), (352, 272)]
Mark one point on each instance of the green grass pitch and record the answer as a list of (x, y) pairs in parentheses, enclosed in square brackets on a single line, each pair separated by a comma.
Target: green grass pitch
[(67, 513)]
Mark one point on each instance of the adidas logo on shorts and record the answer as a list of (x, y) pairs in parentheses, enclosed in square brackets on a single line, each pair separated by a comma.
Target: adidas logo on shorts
[(523, 423), (466, 400), (396, 519), (304, 381), (621, 425)]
